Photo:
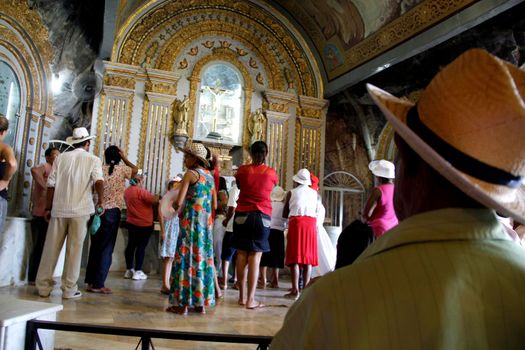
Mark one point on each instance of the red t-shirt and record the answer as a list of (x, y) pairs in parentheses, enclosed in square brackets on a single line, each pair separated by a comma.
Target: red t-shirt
[(255, 183), (139, 203)]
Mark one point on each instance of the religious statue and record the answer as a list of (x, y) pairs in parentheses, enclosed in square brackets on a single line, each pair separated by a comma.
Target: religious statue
[(255, 125), (180, 115)]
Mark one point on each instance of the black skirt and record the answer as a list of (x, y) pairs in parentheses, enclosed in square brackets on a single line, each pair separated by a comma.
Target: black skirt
[(251, 231), (275, 257)]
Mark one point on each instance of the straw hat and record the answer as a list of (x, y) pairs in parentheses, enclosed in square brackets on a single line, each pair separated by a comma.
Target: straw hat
[(469, 125), (302, 177), (79, 135), (278, 194), (382, 168), (198, 150)]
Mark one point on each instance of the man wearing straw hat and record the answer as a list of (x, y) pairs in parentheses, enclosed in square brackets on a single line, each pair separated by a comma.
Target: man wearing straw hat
[(69, 206), (447, 276)]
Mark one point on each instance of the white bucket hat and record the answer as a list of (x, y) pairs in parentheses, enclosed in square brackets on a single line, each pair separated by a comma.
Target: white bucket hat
[(302, 177), (278, 194), (79, 135), (382, 168), (469, 125)]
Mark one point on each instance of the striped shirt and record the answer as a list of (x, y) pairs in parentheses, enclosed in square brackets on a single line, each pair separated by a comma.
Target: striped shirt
[(445, 279), (73, 176)]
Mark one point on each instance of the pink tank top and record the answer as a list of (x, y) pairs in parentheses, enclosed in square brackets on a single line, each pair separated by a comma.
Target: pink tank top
[(384, 217)]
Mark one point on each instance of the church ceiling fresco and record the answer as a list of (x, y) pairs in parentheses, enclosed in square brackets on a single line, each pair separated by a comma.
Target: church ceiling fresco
[(348, 33)]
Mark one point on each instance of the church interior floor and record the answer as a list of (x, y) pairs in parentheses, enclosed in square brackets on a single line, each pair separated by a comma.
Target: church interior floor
[(139, 304)]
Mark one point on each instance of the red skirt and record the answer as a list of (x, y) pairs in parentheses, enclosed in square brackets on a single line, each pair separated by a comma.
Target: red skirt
[(301, 241)]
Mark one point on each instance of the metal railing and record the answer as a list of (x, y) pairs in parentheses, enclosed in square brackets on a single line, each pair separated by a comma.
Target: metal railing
[(33, 342)]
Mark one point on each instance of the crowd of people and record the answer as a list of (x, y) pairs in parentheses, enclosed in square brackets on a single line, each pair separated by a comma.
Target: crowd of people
[(442, 220), (204, 226)]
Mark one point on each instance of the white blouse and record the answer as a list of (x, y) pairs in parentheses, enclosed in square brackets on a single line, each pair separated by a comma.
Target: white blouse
[(303, 201)]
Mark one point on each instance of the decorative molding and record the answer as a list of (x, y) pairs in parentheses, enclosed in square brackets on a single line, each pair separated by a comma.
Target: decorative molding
[(231, 57), (164, 22), (422, 17)]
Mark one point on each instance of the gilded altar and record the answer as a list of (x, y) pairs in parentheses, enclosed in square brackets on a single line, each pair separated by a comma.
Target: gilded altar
[(166, 82)]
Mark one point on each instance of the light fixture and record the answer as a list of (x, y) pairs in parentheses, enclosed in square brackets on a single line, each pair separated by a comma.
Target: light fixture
[(56, 84)]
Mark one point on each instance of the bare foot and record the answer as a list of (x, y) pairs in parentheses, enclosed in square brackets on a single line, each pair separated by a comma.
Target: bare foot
[(255, 305), (241, 302)]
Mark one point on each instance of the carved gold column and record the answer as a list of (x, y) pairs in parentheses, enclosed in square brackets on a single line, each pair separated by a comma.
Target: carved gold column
[(157, 123), (277, 105), (115, 108), (309, 135)]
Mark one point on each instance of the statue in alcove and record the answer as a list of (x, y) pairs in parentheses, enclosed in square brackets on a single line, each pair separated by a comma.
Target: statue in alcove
[(181, 109), (256, 125)]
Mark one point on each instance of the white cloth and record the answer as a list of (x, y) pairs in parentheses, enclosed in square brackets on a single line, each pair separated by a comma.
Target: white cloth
[(218, 237), (233, 196), (327, 253), (166, 204), (303, 201), (278, 222), (73, 175)]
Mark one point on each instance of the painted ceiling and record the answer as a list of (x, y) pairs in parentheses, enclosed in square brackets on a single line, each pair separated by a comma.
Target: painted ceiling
[(348, 33)]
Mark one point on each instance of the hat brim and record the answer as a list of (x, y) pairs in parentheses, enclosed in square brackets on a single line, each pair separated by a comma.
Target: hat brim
[(301, 181), (188, 151), (73, 141), (395, 111)]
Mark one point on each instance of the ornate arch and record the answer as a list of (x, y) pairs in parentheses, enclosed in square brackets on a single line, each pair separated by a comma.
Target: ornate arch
[(295, 62), (220, 55), (24, 47), (172, 51)]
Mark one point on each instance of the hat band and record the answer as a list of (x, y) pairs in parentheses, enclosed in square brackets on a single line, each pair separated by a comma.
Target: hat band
[(458, 159)]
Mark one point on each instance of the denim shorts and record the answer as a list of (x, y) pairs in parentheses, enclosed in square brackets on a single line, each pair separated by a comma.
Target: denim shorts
[(251, 231)]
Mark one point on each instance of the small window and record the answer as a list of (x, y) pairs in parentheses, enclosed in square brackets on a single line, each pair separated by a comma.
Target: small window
[(221, 100)]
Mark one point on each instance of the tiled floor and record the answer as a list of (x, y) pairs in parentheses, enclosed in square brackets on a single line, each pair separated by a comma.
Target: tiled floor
[(139, 304)]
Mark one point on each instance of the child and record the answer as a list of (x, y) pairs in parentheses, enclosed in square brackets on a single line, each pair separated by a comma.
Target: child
[(169, 232)]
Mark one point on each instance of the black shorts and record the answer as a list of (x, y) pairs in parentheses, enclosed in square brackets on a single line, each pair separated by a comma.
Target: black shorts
[(251, 231), (228, 250), (275, 257)]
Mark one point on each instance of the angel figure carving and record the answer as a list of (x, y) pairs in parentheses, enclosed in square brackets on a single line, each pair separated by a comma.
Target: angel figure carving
[(181, 108), (256, 125)]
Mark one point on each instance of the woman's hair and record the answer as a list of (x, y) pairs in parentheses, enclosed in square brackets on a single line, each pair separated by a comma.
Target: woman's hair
[(258, 151), (50, 150), (4, 123), (209, 158), (222, 184), (171, 184), (112, 157)]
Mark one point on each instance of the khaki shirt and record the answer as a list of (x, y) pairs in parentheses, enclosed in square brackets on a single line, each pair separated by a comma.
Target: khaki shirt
[(446, 279)]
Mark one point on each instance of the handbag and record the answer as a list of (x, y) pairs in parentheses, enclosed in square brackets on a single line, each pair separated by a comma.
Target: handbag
[(95, 223)]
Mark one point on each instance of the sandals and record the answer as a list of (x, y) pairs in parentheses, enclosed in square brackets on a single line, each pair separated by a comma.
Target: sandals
[(179, 310), (102, 290), (200, 309)]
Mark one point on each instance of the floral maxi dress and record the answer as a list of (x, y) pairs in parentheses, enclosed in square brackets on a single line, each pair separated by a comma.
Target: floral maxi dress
[(192, 270)]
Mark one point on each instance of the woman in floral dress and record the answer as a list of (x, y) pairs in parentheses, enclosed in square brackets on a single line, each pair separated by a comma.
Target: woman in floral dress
[(193, 270)]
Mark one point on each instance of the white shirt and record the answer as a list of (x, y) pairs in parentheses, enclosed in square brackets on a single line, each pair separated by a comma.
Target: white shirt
[(303, 202), (233, 195), (73, 175), (278, 222)]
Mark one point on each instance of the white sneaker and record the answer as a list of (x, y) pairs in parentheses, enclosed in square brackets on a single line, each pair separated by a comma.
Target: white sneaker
[(139, 275), (129, 273)]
